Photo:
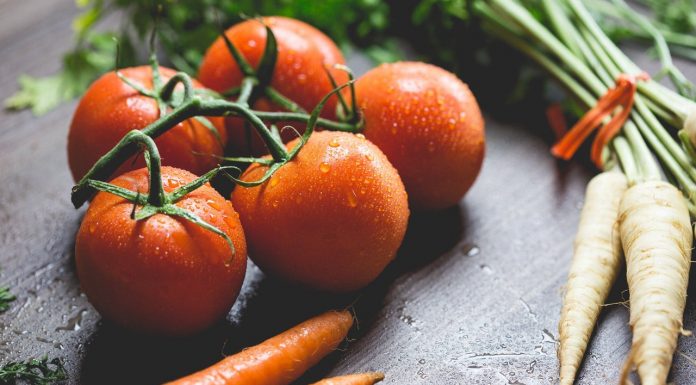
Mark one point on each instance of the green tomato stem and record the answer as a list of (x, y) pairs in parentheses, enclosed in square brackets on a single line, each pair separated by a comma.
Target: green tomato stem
[(108, 164), (217, 107), (246, 89), (276, 97), (304, 118), (237, 56), (167, 90), (198, 182)]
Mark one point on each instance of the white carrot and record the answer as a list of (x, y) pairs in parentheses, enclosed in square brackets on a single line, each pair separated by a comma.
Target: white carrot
[(369, 378), (656, 237), (597, 259)]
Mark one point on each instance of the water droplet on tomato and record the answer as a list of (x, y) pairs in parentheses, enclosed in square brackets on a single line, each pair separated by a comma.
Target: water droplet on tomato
[(214, 205), (173, 183), (352, 199), (360, 136), (462, 116), (302, 78), (324, 167), (369, 157), (451, 123), (273, 182), (229, 221), (334, 142), (92, 228)]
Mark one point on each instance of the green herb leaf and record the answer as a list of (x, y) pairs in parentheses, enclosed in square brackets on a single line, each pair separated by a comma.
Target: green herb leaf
[(35, 372), (39, 94), (5, 298)]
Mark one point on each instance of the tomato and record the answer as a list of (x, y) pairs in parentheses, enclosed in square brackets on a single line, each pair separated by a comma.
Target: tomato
[(303, 53), (429, 125), (110, 109), (163, 274), (331, 219)]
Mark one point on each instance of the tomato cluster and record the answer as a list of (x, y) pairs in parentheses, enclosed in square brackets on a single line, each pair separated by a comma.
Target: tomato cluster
[(304, 54), (327, 210)]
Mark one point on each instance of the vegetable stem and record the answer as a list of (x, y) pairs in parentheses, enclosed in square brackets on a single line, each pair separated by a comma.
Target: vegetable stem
[(108, 164), (626, 159), (279, 99), (168, 89), (246, 89)]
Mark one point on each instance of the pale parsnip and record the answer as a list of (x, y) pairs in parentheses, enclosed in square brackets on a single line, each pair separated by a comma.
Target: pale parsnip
[(597, 259), (369, 378), (656, 237)]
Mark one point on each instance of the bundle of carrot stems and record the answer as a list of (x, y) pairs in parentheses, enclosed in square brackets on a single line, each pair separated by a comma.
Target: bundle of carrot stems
[(638, 211)]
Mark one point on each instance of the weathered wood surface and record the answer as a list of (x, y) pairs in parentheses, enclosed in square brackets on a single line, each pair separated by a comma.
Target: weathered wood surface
[(473, 298)]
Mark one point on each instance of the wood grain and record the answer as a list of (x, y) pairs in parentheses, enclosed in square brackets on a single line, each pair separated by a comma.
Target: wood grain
[(473, 297)]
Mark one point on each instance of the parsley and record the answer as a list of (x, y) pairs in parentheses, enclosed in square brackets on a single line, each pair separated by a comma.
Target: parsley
[(5, 298), (35, 372)]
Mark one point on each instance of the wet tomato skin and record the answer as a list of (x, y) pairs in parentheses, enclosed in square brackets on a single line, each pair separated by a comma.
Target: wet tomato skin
[(299, 74), (429, 125), (161, 275), (331, 219), (111, 108)]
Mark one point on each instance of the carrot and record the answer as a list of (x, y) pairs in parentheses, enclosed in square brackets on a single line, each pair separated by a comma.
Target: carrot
[(656, 236), (369, 378), (279, 360), (596, 260)]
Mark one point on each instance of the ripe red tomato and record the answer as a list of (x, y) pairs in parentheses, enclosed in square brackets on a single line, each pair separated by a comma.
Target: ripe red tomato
[(163, 274), (303, 53), (429, 125), (110, 109), (330, 219)]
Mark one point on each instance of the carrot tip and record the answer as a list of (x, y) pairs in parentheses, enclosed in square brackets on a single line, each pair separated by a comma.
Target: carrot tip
[(558, 153)]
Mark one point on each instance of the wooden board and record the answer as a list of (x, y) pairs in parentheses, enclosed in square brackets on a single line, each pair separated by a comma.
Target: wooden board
[(473, 298)]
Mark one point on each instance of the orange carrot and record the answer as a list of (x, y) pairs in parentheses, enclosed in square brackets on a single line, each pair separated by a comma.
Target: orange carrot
[(279, 360), (353, 379)]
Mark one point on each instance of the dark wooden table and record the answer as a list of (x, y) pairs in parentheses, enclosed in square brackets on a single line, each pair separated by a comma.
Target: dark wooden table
[(473, 297)]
